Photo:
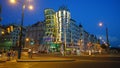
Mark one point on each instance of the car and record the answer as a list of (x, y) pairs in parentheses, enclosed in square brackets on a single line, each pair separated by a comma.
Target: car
[(114, 50)]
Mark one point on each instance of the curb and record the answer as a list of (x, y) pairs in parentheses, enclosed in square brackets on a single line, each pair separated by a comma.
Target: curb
[(45, 60), (2, 61)]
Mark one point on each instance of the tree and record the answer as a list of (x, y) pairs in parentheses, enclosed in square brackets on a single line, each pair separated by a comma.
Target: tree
[(103, 46), (97, 46)]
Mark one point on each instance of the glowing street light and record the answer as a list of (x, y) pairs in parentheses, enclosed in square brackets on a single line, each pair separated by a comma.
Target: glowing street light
[(13, 1), (31, 7), (27, 39), (100, 24), (2, 32)]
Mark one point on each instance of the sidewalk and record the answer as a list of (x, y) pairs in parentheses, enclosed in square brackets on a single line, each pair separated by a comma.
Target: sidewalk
[(44, 59), (2, 60), (52, 58)]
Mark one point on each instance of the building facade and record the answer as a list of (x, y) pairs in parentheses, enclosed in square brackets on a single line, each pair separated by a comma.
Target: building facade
[(10, 35), (34, 35), (61, 29), (50, 36)]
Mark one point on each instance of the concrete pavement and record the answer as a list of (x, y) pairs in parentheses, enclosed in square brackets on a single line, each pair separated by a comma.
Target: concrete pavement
[(1, 61), (52, 58), (38, 59), (44, 59)]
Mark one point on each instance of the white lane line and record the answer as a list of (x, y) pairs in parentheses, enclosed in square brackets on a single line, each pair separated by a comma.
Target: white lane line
[(97, 61)]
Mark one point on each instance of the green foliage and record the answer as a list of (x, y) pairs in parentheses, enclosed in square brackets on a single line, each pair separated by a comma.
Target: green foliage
[(6, 44), (103, 46)]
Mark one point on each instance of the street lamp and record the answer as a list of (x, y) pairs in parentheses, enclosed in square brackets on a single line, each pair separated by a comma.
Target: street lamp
[(100, 24), (107, 40), (2, 32), (21, 26), (13, 1), (0, 13), (30, 7), (27, 39), (27, 42)]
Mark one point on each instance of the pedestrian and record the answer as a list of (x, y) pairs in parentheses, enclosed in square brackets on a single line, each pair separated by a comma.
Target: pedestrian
[(4, 52), (8, 55), (89, 52), (62, 52), (78, 52), (73, 52), (12, 54), (0, 53), (30, 53), (100, 51)]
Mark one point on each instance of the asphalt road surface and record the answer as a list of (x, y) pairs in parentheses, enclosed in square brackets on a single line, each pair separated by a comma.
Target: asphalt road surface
[(81, 62)]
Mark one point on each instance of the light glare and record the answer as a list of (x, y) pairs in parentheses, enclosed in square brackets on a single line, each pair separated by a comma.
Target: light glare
[(30, 7), (2, 32), (100, 24), (27, 39), (13, 1)]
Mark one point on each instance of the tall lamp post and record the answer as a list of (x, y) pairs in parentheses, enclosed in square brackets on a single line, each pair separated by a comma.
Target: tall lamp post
[(21, 26), (0, 13), (107, 40)]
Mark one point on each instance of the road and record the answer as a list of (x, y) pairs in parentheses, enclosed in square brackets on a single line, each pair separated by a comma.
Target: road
[(81, 62)]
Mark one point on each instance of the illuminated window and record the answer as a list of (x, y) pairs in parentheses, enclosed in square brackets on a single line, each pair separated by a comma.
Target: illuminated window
[(11, 28), (8, 29), (59, 13), (64, 13)]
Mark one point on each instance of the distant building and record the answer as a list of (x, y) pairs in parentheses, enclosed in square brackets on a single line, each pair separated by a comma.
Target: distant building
[(74, 32), (10, 35), (93, 38), (61, 29), (63, 19), (14, 32), (56, 31), (50, 26), (34, 34)]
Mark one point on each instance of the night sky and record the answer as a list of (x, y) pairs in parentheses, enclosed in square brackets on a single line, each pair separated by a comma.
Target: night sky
[(87, 12)]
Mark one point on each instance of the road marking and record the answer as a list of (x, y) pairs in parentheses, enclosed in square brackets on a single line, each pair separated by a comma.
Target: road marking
[(97, 61)]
